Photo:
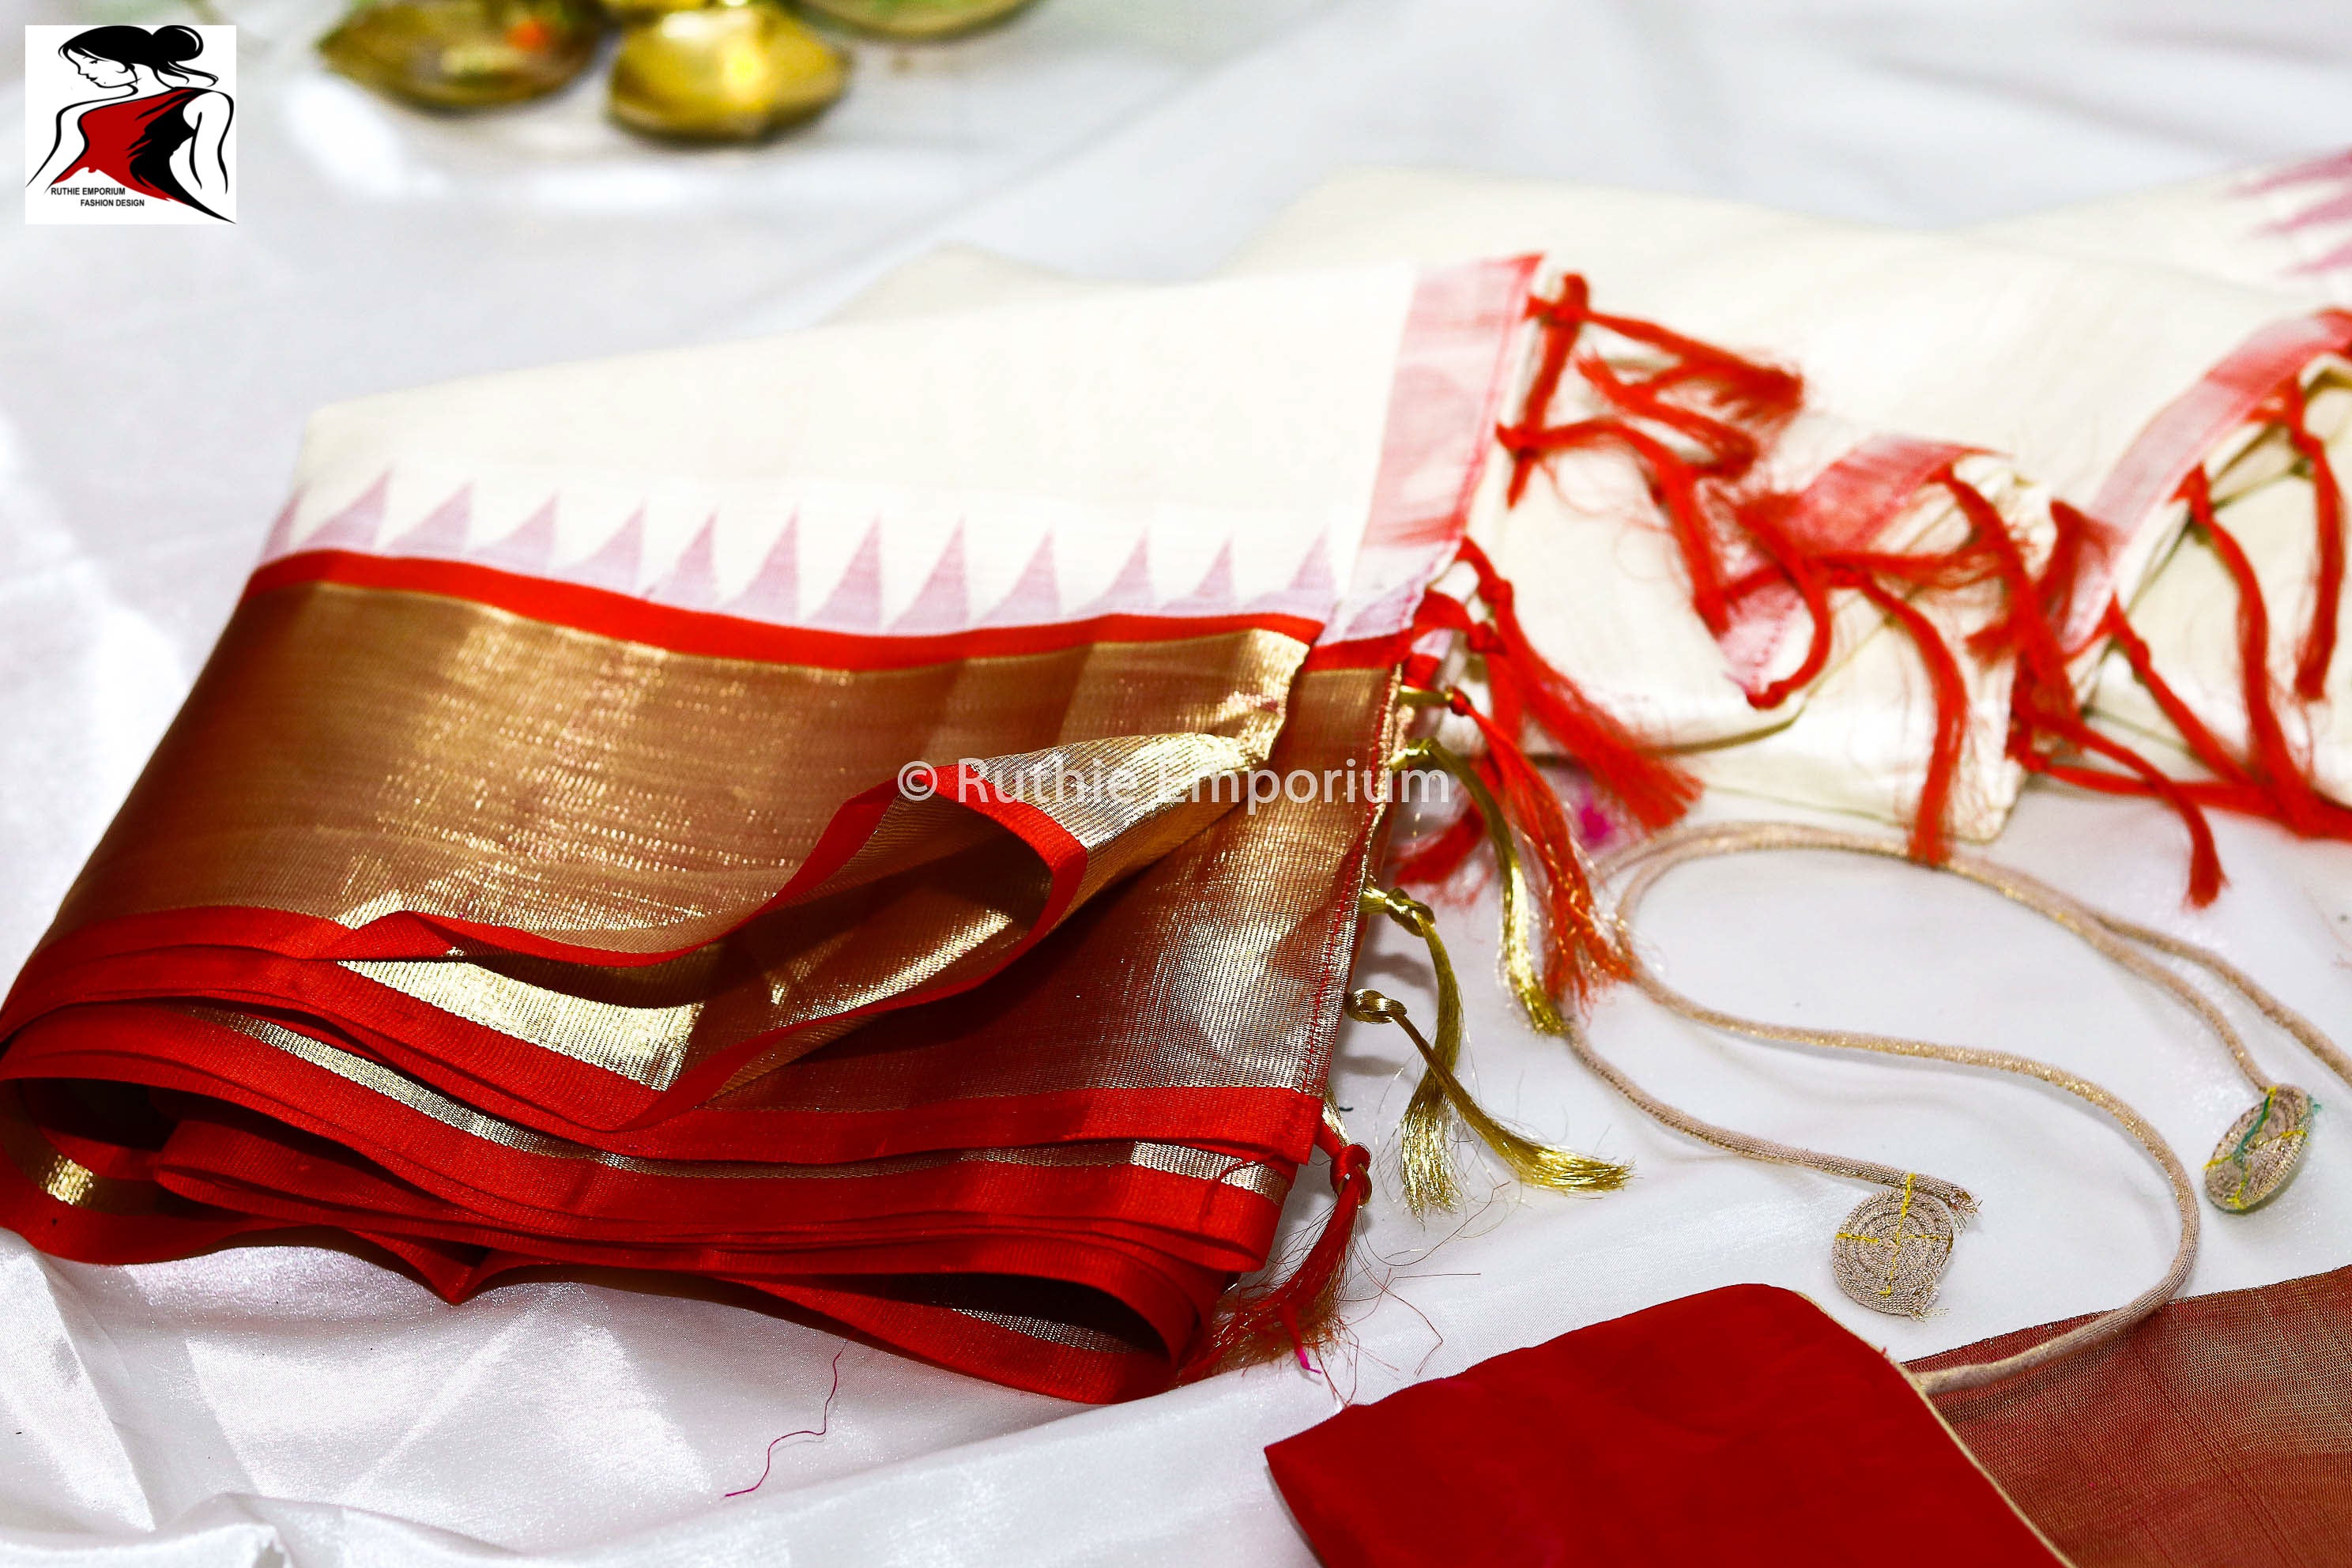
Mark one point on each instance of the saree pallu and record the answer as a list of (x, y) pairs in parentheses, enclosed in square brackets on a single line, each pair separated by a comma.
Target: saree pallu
[(2283, 226), (2239, 618), (778, 814), (2111, 385)]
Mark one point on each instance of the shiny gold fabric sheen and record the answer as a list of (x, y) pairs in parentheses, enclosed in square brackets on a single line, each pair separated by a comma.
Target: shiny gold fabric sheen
[(1219, 965), (1043, 1177), (64, 1178), (350, 752), (903, 917), (1251, 1177)]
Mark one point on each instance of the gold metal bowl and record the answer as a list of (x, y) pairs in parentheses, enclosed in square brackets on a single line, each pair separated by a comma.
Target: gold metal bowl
[(725, 73), (915, 19), (465, 54)]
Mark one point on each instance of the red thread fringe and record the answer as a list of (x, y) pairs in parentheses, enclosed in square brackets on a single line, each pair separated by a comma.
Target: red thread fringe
[(1578, 956), (1262, 1323), (1709, 416), (1654, 791), (2286, 408)]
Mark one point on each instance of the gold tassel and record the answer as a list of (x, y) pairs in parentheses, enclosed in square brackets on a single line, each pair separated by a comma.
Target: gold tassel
[(1426, 1151), (1519, 939)]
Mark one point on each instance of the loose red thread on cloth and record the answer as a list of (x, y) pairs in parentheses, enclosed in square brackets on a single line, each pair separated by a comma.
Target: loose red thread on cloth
[(2287, 409), (825, 1422), (1259, 1323), (2267, 779), (1696, 423), (1654, 790), (1580, 957), (1728, 408)]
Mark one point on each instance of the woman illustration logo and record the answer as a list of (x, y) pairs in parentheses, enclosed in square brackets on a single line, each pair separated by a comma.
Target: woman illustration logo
[(159, 133)]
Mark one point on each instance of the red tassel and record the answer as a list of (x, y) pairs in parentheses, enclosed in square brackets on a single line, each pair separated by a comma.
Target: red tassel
[(1673, 485), (1654, 791), (2202, 743), (1928, 840), (1765, 519), (1260, 1323), (1729, 407), (1578, 956), (2282, 776), (1433, 862)]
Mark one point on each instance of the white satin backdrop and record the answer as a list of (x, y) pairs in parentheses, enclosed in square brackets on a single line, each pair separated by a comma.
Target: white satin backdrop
[(291, 1405)]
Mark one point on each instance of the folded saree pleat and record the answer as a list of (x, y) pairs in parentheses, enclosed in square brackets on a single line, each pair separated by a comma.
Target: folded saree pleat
[(881, 905)]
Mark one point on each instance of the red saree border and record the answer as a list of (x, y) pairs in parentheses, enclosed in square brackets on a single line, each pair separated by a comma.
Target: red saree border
[(1259, 1122), (569, 1098), (957, 1342), (603, 612), (415, 936)]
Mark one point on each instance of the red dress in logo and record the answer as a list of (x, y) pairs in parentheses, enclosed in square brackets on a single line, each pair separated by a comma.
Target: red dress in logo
[(113, 134)]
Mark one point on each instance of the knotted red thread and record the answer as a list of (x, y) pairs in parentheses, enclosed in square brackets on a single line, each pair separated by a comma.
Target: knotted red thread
[(2287, 408), (2267, 779), (2032, 716), (1726, 407), (2280, 781), (1654, 791), (1886, 578), (1577, 955), (1255, 1325)]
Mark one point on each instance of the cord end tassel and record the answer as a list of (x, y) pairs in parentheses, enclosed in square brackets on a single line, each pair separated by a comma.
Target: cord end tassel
[(1424, 1138)]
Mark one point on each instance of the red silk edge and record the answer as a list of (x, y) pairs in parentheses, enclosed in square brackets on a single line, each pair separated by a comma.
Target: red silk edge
[(715, 635)]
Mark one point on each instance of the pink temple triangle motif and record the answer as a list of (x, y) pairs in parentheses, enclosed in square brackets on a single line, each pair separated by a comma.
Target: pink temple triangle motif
[(618, 561), (356, 526), (1129, 592), (855, 605), (1036, 598), (440, 532), (2337, 208), (2330, 166), (774, 594), (2333, 170), (692, 582), (1382, 616), (1313, 592), (280, 538), (1215, 594), (944, 605), (529, 550)]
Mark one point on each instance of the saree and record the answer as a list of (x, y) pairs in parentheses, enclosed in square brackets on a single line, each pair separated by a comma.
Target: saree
[(2234, 670), (788, 813), (2047, 361), (1609, 505)]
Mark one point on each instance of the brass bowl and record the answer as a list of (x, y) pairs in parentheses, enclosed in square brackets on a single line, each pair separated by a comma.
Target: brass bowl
[(465, 54), (629, 12), (724, 73), (916, 19)]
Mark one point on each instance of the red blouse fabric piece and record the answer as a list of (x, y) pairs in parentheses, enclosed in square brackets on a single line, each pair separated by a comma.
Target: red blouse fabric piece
[(113, 133), (1741, 1426)]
